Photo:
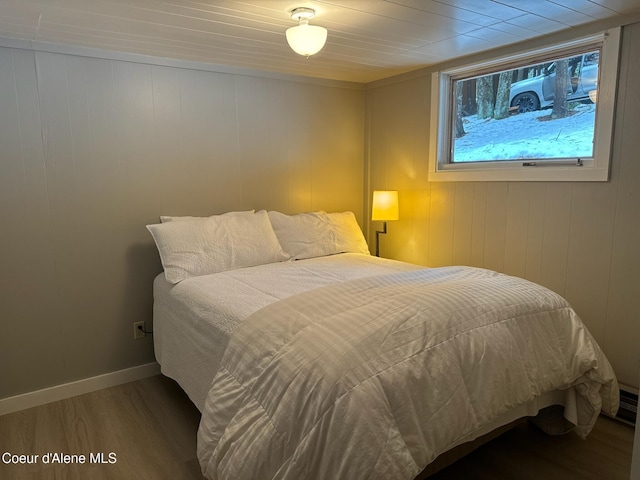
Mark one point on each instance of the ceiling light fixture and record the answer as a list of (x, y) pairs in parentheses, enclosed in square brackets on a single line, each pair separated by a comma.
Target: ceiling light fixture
[(305, 39)]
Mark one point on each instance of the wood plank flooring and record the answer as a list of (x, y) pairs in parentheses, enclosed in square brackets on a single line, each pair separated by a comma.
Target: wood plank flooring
[(151, 426), (526, 453)]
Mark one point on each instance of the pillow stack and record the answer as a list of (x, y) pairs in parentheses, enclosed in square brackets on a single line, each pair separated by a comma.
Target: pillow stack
[(201, 246), (195, 246), (316, 234)]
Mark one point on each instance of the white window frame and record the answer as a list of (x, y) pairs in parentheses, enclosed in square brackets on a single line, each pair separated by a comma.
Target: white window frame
[(591, 169)]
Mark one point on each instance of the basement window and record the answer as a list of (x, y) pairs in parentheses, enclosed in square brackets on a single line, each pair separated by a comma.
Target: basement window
[(542, 115)]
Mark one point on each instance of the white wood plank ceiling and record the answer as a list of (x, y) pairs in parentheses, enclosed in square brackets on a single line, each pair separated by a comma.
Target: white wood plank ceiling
[(368, 39)]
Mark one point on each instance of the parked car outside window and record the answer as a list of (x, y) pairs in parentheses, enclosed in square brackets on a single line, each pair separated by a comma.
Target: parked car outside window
[(538, 92)]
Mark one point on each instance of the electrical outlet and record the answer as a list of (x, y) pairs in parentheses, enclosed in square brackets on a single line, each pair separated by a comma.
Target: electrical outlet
[(138, 330)]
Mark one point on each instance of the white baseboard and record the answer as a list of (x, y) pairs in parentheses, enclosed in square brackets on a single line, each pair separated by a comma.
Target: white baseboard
[(80, 387)]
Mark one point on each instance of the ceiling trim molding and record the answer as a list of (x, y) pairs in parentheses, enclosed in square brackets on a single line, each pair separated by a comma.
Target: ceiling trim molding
[(534, 43), (79, 51)]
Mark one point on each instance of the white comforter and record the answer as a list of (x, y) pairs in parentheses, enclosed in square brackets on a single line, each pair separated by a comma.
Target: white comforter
[(374, 378)]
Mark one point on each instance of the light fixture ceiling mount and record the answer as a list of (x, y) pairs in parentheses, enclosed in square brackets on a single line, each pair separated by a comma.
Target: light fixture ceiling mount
[(303, 13), (305, 39)]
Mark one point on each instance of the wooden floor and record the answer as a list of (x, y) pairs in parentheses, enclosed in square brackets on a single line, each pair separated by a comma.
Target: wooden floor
[(150, 425), (525, 453)]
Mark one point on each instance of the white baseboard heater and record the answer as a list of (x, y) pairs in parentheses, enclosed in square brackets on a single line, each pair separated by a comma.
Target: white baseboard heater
[(628, 407)]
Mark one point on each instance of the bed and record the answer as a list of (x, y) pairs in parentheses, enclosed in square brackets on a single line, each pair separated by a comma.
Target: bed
[(310, 358)]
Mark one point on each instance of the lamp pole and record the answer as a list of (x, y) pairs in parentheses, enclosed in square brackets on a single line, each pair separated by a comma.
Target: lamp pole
[(378, 232)]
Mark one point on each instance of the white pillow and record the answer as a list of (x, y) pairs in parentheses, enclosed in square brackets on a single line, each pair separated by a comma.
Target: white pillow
[(214, 244), (171, 218), (317, 234)]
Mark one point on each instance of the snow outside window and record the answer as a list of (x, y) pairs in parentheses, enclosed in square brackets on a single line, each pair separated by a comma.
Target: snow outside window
[(541, 115)]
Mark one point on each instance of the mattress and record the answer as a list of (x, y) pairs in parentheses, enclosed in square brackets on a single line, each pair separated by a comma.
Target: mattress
[(235, 342), (194, 319)]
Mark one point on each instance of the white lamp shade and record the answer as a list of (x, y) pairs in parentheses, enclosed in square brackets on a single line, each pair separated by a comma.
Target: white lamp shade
[(385, 205), (305, 39)]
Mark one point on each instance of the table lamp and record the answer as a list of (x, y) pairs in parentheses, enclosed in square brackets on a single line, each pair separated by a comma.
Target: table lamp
[(384, 208)]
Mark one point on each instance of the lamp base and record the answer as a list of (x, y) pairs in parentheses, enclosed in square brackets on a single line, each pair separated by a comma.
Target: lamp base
[(378, 232)]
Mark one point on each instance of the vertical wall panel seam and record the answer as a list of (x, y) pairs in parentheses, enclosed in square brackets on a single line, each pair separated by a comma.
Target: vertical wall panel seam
[(569, 242), (542, 234), (453, 222), (620, 114), (528, 244), (526, 233), (155, 131), (15, 91), (45, 148), (64, 327), (239, 169), (366, 180), (505, 216), (119, 155), (429, 226), (71, 136)]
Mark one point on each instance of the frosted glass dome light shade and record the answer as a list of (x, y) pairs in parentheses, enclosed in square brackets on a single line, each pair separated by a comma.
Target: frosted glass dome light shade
[(305, 39)]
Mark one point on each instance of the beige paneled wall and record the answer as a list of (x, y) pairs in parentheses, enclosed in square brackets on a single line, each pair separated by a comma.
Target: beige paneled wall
[(92, 150), (579, 239)]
